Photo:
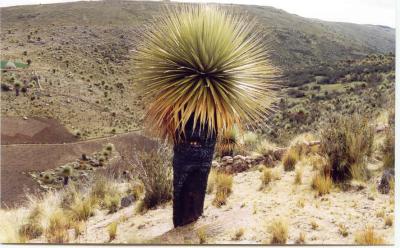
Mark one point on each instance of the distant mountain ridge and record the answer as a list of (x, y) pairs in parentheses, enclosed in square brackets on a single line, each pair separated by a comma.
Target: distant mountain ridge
[(296, 41)]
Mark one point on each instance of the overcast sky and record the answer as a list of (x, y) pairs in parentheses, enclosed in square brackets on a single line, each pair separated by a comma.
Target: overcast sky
[(379, 12)]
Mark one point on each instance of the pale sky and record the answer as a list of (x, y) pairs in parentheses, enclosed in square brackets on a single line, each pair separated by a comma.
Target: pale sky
[(378, 12)]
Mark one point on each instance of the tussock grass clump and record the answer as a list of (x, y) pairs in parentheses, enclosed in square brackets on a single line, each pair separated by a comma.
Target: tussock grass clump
[(346, 142), (202, 235), (238, 234), (223, 187), (155, 171), (112, 230), (322, 183), (368, 236), (388, 148), (343, 230), (298, 176), (265, 148), (290, 158), (266, 177), (137, 189), (112, 203), (57, 230), (389, 220), (211, 180), (82, 208), (32, 228), (279, 231), (228, 142), (250, 140)]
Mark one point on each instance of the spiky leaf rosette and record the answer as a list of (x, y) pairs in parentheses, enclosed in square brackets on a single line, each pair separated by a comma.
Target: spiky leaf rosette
[(204, 63)]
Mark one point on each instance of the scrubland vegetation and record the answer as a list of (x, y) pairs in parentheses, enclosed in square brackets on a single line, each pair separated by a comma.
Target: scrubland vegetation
[(321, 172)]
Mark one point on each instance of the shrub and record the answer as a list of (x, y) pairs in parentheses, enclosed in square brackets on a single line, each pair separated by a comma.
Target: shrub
[(223, 185), (389, 220), (368, 236), (290, 159), (279, 231), (346, 142), (155, 171), (112, 230)]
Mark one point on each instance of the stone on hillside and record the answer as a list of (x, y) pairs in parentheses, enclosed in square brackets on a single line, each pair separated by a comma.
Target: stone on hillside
[(127, 201), (239, 157), (215, 164), (384, 185)]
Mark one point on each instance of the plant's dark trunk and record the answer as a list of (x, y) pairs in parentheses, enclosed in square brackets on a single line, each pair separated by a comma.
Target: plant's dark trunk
[(191, 163), (66, 179), (16, 92)]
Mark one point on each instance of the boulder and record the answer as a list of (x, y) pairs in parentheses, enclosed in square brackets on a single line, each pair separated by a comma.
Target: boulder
[(127, 201), (384, 185), (215, 164)]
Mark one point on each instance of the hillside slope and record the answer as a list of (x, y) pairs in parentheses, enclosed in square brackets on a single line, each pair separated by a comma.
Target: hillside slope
[(295, 40), (82, 52)]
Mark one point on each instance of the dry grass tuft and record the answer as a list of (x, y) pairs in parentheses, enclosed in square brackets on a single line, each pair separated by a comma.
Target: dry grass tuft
[(57, 230), (301, 239), (321, 183), (211, 181), (112, 230), (298, 176), (279, 231), (389, 220), (202, 235), (368, 236), (238, 234), (82, 209), (343, 230), (314, 225), (290, 158), (266, 177), (223, 184)]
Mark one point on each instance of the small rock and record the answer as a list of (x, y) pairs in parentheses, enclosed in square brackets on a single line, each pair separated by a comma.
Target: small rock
[(239, 157), (127, 201), (215, 164), (384, 185), (25, 118)]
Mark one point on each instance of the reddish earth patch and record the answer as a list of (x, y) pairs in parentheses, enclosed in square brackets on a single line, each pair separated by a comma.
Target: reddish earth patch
[(16, 130), (17, 160)]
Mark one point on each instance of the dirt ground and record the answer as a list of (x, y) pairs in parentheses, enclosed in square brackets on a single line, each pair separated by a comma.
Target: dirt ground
[(16, 130), (19, 159), (253, 210)]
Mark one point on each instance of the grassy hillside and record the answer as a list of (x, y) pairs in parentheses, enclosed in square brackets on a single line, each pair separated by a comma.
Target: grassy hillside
[(81, 53)]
